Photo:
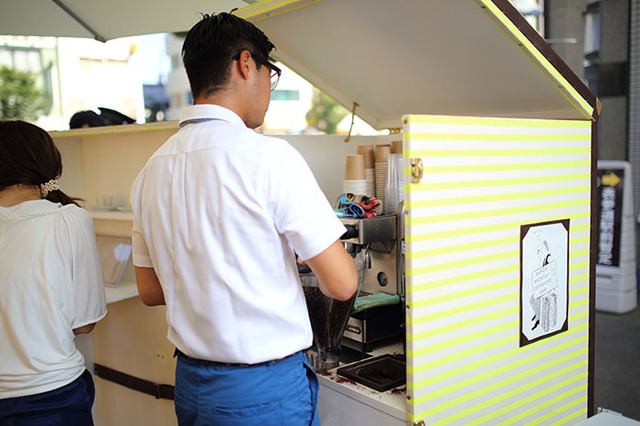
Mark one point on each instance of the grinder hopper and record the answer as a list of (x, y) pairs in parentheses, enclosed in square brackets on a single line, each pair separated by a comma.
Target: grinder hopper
[(328, 317)]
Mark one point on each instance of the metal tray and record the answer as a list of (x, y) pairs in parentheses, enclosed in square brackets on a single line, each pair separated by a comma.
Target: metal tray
[(381, 373)]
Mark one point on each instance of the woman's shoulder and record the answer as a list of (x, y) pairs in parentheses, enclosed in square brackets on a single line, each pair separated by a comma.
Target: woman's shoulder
[(73, 209), (74, 213)]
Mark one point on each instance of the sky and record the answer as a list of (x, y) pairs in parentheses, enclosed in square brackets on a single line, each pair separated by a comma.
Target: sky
[(156, 62)]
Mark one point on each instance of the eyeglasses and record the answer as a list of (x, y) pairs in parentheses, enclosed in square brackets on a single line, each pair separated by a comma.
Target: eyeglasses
[(275, 71)]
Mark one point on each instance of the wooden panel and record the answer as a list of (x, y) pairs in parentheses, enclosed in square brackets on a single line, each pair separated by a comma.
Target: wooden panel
[(132, 339), (483, 180)]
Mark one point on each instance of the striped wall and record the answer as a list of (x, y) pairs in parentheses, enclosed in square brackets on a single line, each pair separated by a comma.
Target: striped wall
[(483, 179)]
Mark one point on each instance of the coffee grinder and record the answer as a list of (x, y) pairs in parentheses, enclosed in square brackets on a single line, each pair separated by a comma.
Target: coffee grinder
[(376, 313)]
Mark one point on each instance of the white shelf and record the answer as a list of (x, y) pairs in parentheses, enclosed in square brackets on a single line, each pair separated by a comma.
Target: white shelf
[(111, 214), (124, 290)]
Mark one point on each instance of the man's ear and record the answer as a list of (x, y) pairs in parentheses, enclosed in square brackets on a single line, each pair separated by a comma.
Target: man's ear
[(244, 64)]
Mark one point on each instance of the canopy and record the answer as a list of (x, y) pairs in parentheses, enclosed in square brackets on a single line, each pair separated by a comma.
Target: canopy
[(105, 19)]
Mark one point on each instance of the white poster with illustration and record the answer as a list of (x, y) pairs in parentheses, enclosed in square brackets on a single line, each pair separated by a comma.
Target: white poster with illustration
[(544, 280)]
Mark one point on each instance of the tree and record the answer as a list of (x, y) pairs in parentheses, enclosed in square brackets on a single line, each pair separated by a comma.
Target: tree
[(19, 96), (325, 113)]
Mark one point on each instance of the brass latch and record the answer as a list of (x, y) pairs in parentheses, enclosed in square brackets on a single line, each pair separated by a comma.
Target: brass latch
[(416, 170), (419, 423)]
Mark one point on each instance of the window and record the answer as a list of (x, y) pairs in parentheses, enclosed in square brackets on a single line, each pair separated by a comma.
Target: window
[(285, 95)]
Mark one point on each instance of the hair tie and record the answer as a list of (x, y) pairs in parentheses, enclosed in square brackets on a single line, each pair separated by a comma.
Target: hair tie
[(46, 188)]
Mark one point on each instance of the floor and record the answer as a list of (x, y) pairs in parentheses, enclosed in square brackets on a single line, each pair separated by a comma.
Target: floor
[(617, 363)]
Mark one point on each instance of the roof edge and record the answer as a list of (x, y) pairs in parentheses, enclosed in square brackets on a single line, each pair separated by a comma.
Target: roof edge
[(264, 9), (549, 54)]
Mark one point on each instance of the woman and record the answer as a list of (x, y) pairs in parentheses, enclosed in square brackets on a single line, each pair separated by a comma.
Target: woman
[(51, 285)]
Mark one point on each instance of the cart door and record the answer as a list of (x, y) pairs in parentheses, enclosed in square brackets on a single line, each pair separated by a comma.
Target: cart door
[(497, 234)]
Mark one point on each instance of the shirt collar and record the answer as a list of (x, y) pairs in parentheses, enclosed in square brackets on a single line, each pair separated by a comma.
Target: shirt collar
[(33, 207), (202, 112)]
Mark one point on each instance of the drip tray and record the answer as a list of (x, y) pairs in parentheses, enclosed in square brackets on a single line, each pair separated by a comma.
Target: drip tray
[(380, 373)]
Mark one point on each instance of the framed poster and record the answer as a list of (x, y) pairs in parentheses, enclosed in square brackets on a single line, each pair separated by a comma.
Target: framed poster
[(544, 280)]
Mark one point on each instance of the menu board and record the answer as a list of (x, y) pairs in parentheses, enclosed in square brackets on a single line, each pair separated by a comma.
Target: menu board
[(610, 192)]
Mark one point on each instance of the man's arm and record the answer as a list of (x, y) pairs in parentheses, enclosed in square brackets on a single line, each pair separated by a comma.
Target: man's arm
[(336, 272), (149, 286)]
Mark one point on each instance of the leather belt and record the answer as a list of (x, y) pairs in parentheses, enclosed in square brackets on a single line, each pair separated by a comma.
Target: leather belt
[(226, 364)]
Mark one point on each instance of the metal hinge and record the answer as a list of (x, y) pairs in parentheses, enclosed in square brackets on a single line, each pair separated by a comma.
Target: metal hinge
[(416, 170)]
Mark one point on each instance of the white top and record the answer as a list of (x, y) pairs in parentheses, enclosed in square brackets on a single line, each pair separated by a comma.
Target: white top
[(50, 283), (217, 210)]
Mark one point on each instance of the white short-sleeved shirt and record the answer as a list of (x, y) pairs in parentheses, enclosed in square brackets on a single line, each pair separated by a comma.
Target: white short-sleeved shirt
[(50, 283), (217, 211)]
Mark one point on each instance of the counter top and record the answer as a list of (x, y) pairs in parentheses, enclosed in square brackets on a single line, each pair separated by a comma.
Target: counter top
[(391, 402), (111, 214), (609, 419), (124, 290)]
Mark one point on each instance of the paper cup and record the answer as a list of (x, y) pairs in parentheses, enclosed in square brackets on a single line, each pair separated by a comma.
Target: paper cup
[(382, 152), (356, 187), (381, 180), (370, 177), (368, 152), (396, 147), (354, 169)]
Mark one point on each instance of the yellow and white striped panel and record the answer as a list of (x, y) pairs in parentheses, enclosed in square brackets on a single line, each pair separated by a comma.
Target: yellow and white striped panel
[(483, 179)]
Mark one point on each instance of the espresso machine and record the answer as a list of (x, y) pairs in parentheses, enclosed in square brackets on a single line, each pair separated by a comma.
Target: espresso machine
[(378, 313)]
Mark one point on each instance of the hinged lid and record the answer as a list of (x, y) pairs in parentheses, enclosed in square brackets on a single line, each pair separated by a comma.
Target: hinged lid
[(453, 57)]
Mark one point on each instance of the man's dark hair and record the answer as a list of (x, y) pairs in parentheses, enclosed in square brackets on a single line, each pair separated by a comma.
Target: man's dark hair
[(211, 45)]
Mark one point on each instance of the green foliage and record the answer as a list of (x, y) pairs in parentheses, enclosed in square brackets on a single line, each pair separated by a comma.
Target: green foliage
[(19, 96), (325, 113)]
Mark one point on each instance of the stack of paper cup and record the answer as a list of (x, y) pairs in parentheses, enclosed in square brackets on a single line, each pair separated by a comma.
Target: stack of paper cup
[(354, 176), (396, 148), (382, 153), (400, 174), (393, 187), (367, 151)]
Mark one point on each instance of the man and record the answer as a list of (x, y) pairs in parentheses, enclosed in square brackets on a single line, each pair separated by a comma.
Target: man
[(219, 211)]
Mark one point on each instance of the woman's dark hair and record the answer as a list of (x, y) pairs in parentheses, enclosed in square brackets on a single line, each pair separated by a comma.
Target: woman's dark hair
[(212, 44), (28, 156)]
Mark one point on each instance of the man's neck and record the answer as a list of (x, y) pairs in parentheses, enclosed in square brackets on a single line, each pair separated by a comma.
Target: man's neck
[(223, 100)]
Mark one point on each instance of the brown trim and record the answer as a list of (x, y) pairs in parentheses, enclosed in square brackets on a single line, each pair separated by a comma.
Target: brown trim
[(592, 268), (145, 386), (536, 39)]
